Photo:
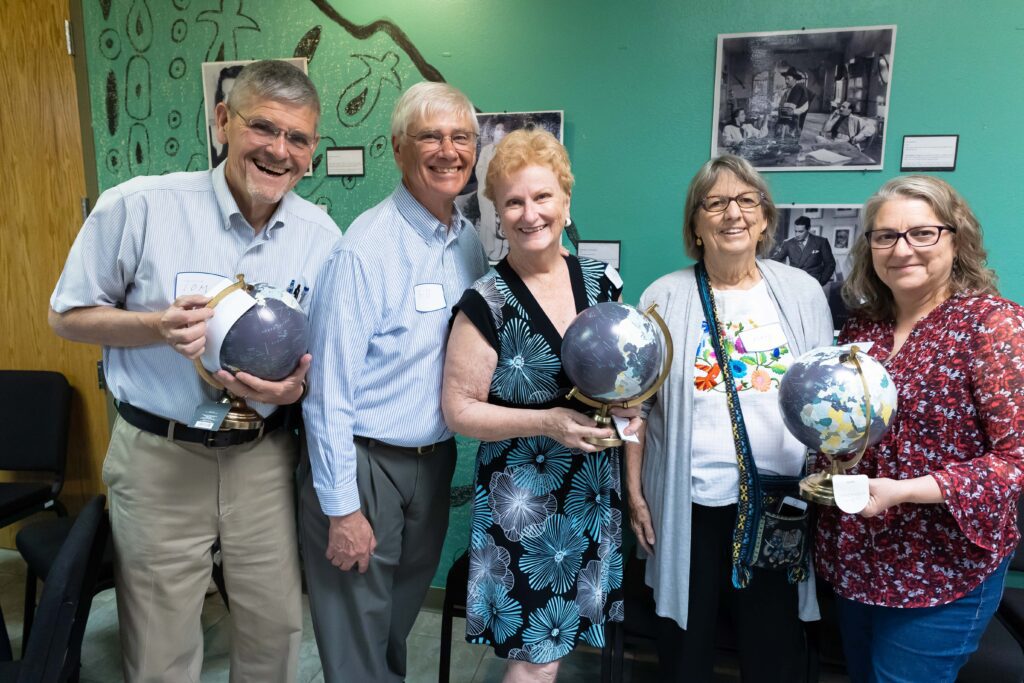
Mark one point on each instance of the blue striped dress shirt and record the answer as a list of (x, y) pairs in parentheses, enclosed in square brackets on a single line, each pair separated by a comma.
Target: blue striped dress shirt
[(143, 232), (377, 359)]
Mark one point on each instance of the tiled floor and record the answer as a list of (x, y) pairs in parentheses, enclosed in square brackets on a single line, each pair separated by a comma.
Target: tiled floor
[(470, 663)]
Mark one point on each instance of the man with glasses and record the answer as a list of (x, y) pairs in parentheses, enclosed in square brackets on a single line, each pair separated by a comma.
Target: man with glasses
[(808, 252), (375, 493), (134, 283)]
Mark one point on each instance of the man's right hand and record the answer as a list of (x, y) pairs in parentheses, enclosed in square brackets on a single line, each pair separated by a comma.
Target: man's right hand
[(350, 542), (183, 324)]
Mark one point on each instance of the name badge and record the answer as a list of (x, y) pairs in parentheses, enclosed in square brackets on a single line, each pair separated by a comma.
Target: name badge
[(429, 297), (197, 283), (763, 338)]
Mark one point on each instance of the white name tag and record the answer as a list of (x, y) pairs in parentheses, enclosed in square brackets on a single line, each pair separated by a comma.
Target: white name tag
[(613, 276), (197, 283), (851, 492), (763, 338), (429, 297), (620, 424)]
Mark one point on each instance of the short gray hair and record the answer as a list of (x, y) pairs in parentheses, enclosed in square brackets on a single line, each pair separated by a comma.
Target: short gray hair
[(272, 79), (428, 98), (702, 183)]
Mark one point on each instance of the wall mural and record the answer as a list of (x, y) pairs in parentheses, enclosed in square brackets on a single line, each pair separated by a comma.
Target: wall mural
[(144, 59)]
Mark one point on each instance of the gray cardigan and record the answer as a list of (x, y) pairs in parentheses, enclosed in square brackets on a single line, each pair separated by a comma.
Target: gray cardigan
[(805, 318)]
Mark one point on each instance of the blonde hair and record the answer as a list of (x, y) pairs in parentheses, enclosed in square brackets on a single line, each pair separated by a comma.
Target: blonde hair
[(866, 294), (529, 147)]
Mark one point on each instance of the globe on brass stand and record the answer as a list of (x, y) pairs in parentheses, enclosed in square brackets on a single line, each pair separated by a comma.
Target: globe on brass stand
[(838, 401), (239, 415), (615, 357)]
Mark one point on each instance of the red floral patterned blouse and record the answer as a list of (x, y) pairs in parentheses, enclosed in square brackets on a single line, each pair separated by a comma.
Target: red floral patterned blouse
[(960, 377)]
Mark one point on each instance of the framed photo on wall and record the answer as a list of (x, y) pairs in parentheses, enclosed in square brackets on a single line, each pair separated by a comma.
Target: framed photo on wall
[(814, 100), (817, 238)]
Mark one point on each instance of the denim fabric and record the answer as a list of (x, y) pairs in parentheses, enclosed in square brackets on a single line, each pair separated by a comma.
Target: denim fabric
[(910, 645)]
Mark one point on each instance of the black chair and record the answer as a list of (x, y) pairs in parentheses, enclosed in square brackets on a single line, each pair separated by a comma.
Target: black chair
[(55, 648), (39, 545), (36, 405)]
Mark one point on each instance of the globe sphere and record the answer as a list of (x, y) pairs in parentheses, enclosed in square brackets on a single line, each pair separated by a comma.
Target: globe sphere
[(612, 352), (269, 339), (821, 398)]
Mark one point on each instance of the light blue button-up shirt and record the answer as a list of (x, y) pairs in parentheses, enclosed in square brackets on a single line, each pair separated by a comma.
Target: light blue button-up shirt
[(378, 350), (144, 232)]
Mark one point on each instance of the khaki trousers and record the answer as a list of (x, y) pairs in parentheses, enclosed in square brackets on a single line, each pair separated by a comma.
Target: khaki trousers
[(169, 502)]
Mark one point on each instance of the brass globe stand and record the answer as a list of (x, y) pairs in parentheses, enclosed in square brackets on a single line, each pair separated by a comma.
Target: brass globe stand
[(818, 487), (603, 416), (239, 415)]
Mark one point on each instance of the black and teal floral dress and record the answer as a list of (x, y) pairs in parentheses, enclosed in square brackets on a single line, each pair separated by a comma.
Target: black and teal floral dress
[(545, 568)]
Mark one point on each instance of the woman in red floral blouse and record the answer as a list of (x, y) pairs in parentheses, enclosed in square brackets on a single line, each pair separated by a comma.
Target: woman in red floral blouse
[(920, 571)]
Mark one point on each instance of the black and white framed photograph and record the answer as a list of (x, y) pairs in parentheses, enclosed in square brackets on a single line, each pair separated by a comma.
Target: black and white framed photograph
[(804, 100), (474, 206), (218, 79), (817, 239)]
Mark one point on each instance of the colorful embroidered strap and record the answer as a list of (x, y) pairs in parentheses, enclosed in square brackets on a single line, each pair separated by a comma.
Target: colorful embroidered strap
[(748, 507)]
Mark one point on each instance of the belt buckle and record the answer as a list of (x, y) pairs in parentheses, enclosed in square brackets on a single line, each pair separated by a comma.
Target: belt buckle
[(424, 450), (211, 439)]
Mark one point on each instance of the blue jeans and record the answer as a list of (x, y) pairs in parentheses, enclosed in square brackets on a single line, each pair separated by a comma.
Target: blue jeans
[(914, 644)]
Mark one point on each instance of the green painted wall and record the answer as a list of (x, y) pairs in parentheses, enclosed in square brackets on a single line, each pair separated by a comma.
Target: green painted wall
[(636, 82)]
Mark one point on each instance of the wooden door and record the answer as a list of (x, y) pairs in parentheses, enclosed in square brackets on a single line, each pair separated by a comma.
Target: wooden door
[(40, 214)]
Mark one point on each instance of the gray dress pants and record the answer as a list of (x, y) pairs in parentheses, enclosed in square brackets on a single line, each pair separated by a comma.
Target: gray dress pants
[(361, 621)]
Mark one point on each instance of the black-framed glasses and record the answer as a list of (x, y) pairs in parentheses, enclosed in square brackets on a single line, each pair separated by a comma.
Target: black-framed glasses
[(267, 133), (921, 236), (746, 201), (433, 140)]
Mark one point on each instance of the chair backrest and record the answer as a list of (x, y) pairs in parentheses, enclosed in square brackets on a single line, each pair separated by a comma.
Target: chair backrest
[(55, 644), (36, 408)]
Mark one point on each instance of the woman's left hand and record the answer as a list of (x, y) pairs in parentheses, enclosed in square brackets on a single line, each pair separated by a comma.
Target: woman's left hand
[(634, 419)]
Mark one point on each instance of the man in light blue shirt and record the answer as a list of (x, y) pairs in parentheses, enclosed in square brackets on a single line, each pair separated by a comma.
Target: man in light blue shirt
[(374, 509), (175, 490)]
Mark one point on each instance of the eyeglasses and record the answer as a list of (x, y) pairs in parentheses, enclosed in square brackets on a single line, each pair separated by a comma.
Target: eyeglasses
[(921, 236), (267, 133), (433, 140), (747, 201)]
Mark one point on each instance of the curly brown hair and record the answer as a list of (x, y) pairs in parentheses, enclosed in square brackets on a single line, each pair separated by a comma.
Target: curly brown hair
[(866, 294)]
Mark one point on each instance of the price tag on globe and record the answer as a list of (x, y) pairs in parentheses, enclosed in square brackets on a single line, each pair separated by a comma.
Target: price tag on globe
[(851, 492)]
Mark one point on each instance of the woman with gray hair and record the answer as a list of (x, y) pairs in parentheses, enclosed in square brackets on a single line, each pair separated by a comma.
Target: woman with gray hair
[(695, 496), (919, 572)]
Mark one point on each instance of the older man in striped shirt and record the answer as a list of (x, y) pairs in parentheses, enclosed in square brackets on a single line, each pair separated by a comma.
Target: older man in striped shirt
[(374, 509), (175, 489)]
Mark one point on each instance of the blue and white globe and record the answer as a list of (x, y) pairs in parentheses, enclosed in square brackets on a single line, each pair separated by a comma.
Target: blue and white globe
[(612, 352), (269, 339), (821, 398)]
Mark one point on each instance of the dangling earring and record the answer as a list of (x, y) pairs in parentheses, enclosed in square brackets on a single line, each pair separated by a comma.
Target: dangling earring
[(700, 242)]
